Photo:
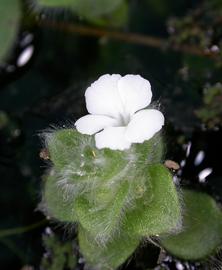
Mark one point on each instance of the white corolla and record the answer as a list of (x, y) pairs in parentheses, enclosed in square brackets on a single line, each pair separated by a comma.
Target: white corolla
[(117, 112)]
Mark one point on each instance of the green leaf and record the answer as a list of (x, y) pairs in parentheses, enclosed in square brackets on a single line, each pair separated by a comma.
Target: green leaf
[(55, 201), (86, 8), (158, 210), (117, 18), (100, 12), (202, 228), (110, 256), (56, 3), (9, 22), (100, 218), (76, 155)]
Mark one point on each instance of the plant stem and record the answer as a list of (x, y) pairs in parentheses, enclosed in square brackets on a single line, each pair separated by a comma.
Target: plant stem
[(19, 230), (133, 38)]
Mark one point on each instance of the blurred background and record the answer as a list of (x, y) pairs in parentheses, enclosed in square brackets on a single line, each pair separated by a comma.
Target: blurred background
[(50, 51)]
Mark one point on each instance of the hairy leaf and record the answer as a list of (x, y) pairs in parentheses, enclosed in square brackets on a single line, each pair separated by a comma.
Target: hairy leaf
[(110, 256), (202, 228), (56, 202), (101, 219), (159, 214)]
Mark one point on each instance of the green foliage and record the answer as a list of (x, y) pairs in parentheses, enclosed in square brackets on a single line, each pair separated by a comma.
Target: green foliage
[(102, 220), (80, 162), (84, 8), (100, 12), (185, 32), (4, 120), (54, 202), (200, 27), (159, 7), (202, 228), (117, 18), (56, 3), (59, 255), (149, 152), (9, 21), (116, 197), (109, 256), (211, 112), (158, 210)]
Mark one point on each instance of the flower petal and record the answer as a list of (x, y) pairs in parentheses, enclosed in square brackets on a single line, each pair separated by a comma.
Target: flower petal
[(102, 97), (143, 125), (90, 124), (113, 138), (135, 93)]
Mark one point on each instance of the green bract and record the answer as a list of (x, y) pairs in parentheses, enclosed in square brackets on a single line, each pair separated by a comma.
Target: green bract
[(202, 228), (116, 197)]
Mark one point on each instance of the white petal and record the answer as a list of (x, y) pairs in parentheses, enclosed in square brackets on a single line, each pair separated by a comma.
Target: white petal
[(135, 93), (102, 97), (113, 138), (143, 125), (90, 124)]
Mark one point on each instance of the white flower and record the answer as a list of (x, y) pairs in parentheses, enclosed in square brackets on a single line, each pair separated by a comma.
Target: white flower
[(116, 117)]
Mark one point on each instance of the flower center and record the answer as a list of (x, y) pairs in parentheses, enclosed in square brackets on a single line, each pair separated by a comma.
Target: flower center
[(124, 119)]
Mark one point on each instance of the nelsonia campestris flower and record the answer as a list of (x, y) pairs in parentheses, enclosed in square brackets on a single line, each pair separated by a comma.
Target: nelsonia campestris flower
[(117, 112)]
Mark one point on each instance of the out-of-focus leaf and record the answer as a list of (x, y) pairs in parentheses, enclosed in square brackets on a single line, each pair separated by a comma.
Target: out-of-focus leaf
[(9, 21), (118, 18), (99, 12), (211, 112), (86, 8), (202, 228), (59, 255)]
